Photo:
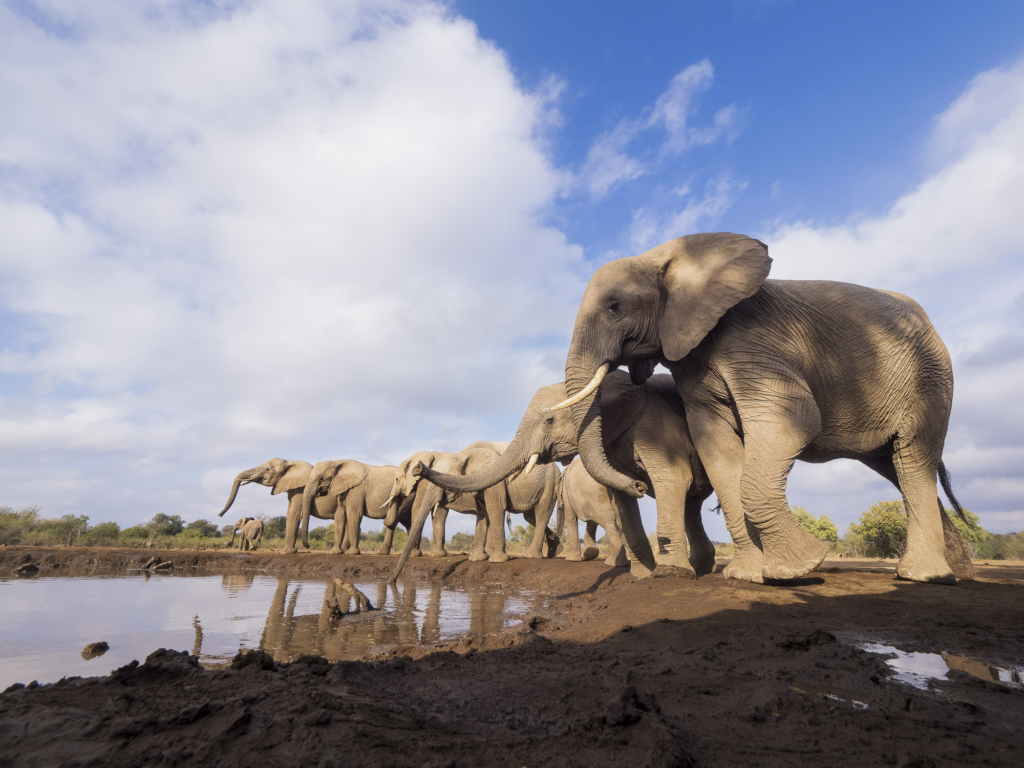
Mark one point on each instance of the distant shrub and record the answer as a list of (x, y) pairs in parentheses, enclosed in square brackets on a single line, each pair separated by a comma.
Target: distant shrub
[(882, 530), (165, 525), (462, 542), (823, 528), (201, 529), (103, 533)]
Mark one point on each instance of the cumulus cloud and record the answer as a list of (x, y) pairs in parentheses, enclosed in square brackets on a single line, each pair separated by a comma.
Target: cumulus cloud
[(956, 244), (290, 228), (609, 162)]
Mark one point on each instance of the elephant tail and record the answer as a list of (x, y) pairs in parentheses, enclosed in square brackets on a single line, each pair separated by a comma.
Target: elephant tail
[(947, 486)]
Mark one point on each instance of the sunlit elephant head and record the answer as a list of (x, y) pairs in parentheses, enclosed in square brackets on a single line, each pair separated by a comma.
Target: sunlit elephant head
[(644, 309), (278, 474)]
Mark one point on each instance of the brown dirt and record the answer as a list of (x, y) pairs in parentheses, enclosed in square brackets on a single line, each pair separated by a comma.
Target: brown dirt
[(661, 672)]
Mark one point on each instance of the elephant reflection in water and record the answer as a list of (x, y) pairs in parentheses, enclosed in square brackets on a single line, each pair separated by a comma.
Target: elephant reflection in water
[(287, 636), (236, 582)]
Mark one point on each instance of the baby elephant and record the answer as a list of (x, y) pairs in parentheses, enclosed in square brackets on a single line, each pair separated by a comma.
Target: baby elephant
[(252, 533), (581, 497)]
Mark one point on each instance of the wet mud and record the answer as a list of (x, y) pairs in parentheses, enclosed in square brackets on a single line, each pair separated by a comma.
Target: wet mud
[(660, 672)]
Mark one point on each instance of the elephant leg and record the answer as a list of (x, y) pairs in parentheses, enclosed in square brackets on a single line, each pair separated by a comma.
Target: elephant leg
[(536, 548), (924, 559), (479, 539), (572, 535), (638, 548), (353, 505), (385, 546), (670, 533), (617, 557), (715, 435), (590, 534), (440, 519), (340, 530), (495, 501), (957, 556), (702, 551), (292, 520)]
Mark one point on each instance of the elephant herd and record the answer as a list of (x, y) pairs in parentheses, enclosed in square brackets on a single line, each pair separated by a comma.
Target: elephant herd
[(760, 373)]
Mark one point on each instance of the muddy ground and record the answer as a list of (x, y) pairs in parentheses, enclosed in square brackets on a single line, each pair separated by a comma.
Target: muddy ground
[(661, 672)]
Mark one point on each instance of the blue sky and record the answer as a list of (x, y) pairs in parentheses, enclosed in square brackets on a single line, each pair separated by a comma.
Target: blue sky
[(325, 230)]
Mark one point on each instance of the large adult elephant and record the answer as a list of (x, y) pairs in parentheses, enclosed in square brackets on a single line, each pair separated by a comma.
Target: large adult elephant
[(644, 434), (771, 371), (488, 505), (282, 476), (355, 490)]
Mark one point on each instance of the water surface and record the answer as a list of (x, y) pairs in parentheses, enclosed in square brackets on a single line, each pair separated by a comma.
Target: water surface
[(47, 621)]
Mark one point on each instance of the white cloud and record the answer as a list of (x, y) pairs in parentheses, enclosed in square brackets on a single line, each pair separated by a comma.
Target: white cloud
[(609, 162), (656, 224), (956, 244), (279, 228)]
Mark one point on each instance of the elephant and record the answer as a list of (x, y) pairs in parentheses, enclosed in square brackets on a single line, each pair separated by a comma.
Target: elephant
[(252, 533), (645, 433), (488, 505), (771, 371), (282, 476), (581, 497), (355, 490), (532, 495)]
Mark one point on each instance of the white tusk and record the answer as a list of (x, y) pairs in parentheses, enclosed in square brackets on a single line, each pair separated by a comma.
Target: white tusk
[(434, 510), (587, 391), (513, 476), (530, 464), (387, 502)]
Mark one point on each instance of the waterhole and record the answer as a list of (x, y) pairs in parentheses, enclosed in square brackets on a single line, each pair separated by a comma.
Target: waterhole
[(48, 621), (918, 669)]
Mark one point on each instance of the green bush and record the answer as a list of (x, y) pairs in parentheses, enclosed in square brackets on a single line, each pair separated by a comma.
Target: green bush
[(462, 542), (201, 529), (165, 525), (823, 528), (103, 534), (882, 531), (15, 524)]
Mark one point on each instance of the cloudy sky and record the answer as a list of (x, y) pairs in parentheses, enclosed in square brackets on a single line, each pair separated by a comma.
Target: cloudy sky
[(237, 230)]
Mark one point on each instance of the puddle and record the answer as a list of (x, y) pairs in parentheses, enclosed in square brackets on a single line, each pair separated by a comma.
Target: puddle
[(49, 620), (918, 669)]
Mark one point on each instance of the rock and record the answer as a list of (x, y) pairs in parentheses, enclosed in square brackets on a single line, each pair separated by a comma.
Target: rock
[(92, 650), (26, 569)]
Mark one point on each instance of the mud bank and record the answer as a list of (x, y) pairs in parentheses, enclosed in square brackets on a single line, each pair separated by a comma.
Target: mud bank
[(660, 672)]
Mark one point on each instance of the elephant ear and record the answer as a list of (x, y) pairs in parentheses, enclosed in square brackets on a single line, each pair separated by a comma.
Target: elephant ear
[(622, 404), (704, 275), (294, 477), (349, 475)]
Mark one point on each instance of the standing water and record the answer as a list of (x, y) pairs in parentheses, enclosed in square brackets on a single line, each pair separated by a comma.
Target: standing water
[(47, 621)]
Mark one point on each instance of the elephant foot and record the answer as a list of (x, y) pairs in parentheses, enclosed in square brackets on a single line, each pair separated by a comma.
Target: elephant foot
[(416, 553), (353, 551), (477, 557), (533, 554), (498, 557), (640, 571), (703, 561), (591, 553), (674, 571), (958, 557), (792, 554), (746, 566), (335, 551), (920, 565), (384, 551), (289, 551), (437, 553)]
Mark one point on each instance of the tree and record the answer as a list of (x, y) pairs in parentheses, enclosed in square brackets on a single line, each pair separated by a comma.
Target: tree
[(165, 525), (104, 532), (135, 532), (823, 528), (274, 527), (462, 542), (202, 529), (970, 529), (883, 529), (67, 529)]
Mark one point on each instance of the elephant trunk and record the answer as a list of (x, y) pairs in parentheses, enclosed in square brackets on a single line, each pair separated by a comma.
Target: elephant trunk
[(586, 416), (514, 458), (428, 497), (242, 477), (394, 510)]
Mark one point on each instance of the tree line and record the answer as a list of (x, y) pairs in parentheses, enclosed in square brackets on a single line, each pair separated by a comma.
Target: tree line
[(881, 531)]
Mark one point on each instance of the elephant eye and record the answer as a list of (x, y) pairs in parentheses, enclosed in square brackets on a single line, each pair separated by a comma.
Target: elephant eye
[(613, 308), (549, 420)]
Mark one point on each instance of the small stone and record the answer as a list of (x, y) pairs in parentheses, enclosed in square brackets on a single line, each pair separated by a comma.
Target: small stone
[(92, 650)]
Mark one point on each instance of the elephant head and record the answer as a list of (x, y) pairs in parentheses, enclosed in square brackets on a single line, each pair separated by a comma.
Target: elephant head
[(646, 309), (329, 478), (279, 474), (545, 435), (427, 495)]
